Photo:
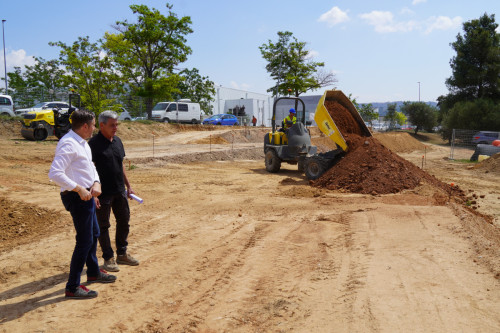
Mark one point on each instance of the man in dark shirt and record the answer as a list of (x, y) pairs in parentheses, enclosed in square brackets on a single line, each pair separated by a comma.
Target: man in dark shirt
[(108, 154)]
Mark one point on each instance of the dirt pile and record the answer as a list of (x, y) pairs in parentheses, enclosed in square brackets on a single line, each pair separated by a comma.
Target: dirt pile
[(369, 167), (399, 142), (491, 164), (21, 223)]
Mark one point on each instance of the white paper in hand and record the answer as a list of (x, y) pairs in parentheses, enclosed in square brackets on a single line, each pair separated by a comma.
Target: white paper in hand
[(136, 198)]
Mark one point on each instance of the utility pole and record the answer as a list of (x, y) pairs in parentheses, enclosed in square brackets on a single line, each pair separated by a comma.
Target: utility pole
[(4, 60), (418, 91)]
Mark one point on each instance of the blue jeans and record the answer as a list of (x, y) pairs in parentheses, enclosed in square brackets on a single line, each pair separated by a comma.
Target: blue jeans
[(87, 232)]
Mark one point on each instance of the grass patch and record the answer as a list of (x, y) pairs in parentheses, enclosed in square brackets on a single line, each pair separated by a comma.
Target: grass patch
[(463, 160)]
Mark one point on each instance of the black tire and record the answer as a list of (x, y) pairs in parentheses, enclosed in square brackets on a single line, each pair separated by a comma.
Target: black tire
[(219, 124), (40, 134), (166, 120), (314, 167), (194, 121), (301, 165), (273, 162)]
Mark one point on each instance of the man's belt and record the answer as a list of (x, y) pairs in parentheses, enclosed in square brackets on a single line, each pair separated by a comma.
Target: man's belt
[(66, 192)]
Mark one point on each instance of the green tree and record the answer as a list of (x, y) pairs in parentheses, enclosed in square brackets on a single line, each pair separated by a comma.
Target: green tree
[(17, 82), (147, 52), (475, 77), (290, 65), (197, 88), (90, 73), (482, 113), (394, 117), (367, 111), (420, 114), (46, 74), (476, 67)]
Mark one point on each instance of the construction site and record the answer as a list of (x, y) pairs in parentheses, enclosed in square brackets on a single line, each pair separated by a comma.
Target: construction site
[(394, 237)]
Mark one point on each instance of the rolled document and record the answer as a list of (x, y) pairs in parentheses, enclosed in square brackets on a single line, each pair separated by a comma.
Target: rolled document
[(136, 198)]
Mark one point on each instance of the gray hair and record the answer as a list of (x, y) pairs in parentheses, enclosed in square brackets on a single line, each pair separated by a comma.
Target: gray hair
[(105, 115)]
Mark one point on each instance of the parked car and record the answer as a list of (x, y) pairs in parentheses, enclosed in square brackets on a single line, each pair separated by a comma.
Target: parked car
[(6, 106), (139, 118), (222, 119), (124, 115), (485, 137), (182, 111), (44, 106)]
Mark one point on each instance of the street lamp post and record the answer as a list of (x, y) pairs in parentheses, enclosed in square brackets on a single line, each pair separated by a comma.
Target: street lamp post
[(418, 91), (4, 60)]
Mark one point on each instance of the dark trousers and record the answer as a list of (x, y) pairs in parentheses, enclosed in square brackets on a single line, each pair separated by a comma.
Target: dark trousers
[(87, 232), (119, 204)]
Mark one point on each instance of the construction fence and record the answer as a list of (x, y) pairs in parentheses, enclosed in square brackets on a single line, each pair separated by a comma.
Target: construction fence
[(462, 144)]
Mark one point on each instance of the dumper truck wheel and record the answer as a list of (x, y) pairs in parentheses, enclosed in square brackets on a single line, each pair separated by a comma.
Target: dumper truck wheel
[(315, 166), (273, 162), (40, 134), (301, 165)]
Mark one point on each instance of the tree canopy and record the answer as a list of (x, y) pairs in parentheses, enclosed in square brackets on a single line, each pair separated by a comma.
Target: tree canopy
[(475, 81), (147, 52), (420, 114), (197, 88), (289, 63), (393, 116), (476, 66), (90, 73)]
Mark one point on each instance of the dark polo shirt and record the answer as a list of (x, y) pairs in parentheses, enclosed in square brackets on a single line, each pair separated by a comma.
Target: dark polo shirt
[(108, 159)]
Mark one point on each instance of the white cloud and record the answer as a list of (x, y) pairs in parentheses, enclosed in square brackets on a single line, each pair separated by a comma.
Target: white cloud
[(416, 2), (334, 16), (16, 58), (312, 54), (234, 85), (443, 23), (241, 86), (384, 22), (407, 11)]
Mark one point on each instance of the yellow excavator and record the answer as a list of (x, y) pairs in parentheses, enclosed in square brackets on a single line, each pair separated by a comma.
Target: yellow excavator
[(294, 146)]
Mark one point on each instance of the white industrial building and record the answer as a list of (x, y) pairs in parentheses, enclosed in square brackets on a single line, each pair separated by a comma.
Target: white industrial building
[(229, 100)]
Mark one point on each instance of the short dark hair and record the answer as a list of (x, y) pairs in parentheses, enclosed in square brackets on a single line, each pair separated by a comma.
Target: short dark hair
[(81, 117)]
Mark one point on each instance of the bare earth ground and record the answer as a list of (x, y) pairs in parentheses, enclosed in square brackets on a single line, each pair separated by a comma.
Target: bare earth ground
[(227, 247)]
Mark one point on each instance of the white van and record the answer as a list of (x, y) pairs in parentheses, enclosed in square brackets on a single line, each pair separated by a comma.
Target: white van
[(182, 111), (6, 106)]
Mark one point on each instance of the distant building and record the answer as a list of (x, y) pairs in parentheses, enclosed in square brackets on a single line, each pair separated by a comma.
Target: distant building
[(245, 104)]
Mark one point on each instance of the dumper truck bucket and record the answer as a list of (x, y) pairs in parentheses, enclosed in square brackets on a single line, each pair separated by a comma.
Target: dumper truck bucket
[(327, 125)]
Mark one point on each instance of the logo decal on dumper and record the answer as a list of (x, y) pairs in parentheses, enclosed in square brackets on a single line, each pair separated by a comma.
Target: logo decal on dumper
[(330, 130)]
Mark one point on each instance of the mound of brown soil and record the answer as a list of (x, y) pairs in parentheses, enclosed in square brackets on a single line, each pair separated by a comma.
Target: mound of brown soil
[(10, 128), (399, 142), (20, 223), (369, 167), (491, 164)]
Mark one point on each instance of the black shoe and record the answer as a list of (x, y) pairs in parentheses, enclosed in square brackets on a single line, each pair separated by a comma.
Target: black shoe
[(103, 277), (81, 293)]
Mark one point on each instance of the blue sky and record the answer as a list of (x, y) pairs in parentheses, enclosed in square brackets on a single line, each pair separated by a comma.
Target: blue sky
[(378, 50)]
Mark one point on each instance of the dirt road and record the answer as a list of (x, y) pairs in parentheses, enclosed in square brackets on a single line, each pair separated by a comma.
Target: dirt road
[(227, 247)]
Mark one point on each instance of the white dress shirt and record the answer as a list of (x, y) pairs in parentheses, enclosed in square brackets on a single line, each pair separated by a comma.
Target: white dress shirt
[(73, 164)]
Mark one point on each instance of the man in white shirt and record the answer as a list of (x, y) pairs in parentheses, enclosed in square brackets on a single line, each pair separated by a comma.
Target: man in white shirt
[(72, 169)]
